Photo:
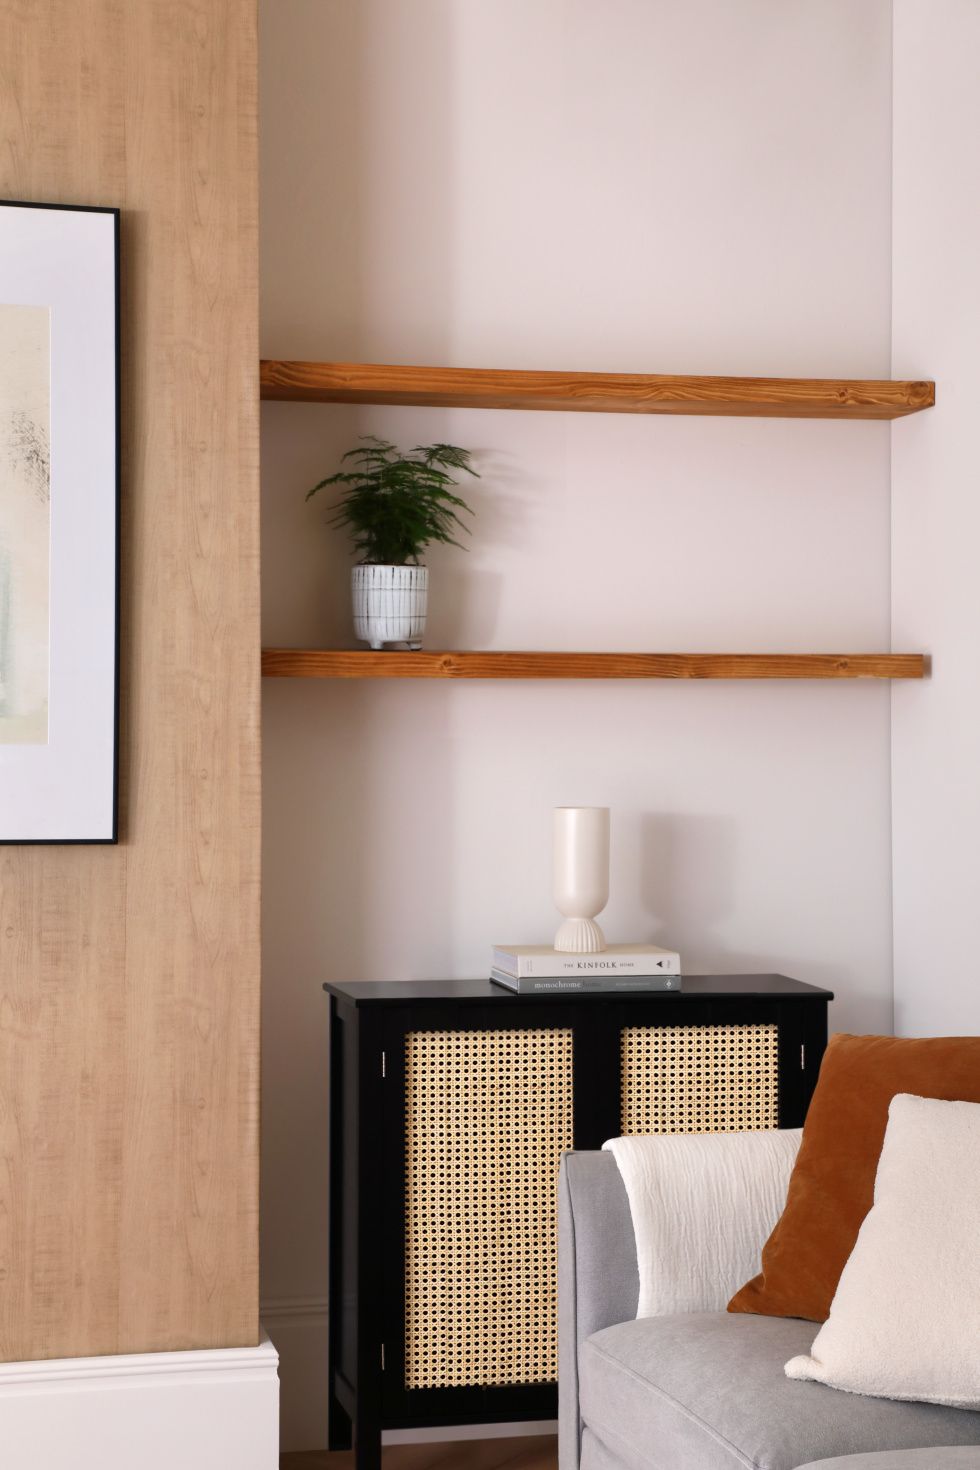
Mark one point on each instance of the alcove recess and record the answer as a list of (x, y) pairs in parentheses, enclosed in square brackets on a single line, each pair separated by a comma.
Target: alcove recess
[(556, 392)]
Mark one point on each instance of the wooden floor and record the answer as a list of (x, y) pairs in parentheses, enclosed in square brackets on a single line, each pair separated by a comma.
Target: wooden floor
[(539, 1453)]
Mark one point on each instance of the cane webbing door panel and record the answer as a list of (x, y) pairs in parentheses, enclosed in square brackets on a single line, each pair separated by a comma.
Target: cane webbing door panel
[(699, 1079), (488, 1115)]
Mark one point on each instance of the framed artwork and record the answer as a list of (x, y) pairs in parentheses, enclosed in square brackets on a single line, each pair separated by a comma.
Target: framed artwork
[(59, 523)]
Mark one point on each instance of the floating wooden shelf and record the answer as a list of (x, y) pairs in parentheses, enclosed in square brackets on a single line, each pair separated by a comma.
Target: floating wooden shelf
[(329, 663), (813, 398)]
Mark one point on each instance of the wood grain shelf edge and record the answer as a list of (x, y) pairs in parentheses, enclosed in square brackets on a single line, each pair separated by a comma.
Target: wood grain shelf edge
[(379, 383), (319, 663)]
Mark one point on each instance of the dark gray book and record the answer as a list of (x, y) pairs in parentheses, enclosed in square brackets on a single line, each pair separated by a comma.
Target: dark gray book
[(584, 985)]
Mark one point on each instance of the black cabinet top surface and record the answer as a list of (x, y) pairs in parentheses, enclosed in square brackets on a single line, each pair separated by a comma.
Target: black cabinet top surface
[(695, 987)]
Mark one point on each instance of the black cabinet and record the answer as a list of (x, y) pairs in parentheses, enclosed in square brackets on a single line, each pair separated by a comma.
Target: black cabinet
[(451, 1103)]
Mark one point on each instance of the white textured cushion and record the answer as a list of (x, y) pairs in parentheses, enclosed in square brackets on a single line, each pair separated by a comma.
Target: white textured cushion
[(702, 1206), (905, 1321)]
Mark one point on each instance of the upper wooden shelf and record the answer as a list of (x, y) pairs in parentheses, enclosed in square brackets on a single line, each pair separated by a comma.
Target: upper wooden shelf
[(331, 663), (805, 398)]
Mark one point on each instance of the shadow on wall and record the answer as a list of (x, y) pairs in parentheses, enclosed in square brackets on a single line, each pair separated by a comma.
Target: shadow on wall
[(465, 598), (334, 883), (687, 869)]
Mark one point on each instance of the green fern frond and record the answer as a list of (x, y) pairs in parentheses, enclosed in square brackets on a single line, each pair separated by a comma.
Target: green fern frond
[(395, 505)]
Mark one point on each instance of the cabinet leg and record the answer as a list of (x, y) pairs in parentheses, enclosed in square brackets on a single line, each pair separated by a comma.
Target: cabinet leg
[(367, 1447), (340, 1433)]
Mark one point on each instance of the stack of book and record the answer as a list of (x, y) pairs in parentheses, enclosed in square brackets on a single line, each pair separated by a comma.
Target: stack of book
[(536, 969)]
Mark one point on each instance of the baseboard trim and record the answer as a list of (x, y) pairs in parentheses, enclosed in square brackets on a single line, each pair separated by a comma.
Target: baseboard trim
[(294, 1309), (299, 1326), (460, 1433), (188, 1410), (159, 1367)]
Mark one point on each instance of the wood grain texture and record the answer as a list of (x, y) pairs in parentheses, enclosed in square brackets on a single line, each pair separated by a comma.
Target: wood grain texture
[(329, 663), (537, 1452), (129, 975), (827, 398)]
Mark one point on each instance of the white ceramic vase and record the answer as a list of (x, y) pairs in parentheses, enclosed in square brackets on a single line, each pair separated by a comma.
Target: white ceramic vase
[(581, 876), (390, 604)]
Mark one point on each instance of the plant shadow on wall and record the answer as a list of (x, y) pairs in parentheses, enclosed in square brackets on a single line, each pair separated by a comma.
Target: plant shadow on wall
[(467, 596)]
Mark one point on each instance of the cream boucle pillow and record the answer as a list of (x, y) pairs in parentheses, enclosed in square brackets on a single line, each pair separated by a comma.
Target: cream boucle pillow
[(905, 1321)]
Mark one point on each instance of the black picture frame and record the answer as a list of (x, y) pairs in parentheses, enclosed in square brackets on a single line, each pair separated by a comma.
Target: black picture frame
[(61, 785)]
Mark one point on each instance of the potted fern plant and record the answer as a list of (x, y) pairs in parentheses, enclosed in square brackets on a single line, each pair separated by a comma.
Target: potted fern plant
[(394, 505)]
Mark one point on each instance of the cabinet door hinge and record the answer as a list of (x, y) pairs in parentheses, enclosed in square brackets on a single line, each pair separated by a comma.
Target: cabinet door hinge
[(383, 1069), (803, 1058)]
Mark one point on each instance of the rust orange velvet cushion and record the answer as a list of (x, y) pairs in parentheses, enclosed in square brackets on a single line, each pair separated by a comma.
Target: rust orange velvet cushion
[(831, 1188)]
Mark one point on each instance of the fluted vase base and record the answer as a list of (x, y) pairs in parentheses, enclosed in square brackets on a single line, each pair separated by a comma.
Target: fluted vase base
[(580, 936)]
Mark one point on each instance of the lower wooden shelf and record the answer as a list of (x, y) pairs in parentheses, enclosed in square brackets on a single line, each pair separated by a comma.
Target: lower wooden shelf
[(338, 663)]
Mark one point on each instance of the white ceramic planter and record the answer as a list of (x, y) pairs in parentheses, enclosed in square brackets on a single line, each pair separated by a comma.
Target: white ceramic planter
[(390, 604)]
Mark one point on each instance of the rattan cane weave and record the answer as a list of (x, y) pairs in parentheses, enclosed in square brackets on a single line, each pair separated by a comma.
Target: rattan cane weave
[(488, 1116), (699, 1079)]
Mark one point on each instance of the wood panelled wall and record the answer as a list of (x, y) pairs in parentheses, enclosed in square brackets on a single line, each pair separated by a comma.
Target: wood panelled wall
[(129, 975)]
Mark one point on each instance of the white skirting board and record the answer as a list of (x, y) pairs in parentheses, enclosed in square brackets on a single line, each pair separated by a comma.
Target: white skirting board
[(160, 1411)]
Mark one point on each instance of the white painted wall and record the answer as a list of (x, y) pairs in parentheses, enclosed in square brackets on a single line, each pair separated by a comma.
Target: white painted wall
[(936, 517), (637, 185)]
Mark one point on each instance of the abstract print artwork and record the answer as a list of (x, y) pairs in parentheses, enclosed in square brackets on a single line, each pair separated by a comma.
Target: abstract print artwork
[(25, 522), (59, 519)]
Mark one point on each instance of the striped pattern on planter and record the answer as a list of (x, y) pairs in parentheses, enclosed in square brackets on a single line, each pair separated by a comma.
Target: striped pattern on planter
[(389, 603)]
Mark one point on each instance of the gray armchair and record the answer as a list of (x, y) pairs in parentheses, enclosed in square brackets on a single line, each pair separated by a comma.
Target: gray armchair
[(706, 1390)]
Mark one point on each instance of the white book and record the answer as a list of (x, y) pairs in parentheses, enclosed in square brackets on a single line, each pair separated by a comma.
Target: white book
[(540, 960)]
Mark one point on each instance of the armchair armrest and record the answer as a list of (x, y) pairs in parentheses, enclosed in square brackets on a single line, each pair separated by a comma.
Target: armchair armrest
[(598, 1278), (681, 1234)]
